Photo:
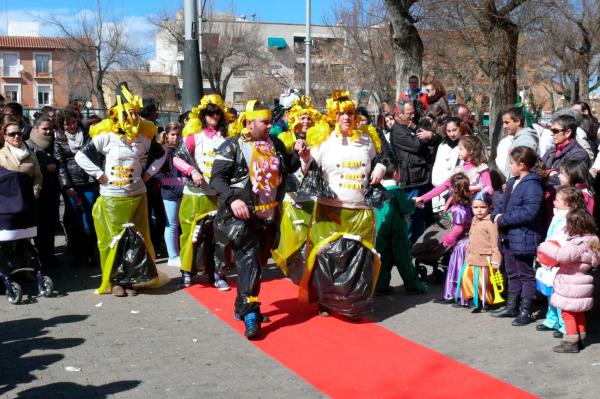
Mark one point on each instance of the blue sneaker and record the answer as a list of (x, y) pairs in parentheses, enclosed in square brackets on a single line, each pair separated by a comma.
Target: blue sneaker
[(252, 324), (221, 283), (186, 279)]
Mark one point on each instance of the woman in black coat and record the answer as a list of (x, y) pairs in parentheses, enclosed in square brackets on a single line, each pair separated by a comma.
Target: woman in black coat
[(80, 190)]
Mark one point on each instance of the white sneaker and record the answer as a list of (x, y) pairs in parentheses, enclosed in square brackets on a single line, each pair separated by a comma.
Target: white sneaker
[(174, 262)]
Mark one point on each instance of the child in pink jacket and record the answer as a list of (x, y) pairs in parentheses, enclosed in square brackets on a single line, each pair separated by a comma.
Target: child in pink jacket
[(573, 287)]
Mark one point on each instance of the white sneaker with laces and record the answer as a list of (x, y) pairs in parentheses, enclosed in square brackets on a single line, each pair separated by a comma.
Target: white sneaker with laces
[(174, 262)]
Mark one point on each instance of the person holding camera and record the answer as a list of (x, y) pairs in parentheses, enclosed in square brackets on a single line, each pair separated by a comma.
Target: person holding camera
[(414, 147)]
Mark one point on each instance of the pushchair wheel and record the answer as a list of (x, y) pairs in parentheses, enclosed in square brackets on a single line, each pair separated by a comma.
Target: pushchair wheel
[(422, 272), (14, 293), (46, 286)]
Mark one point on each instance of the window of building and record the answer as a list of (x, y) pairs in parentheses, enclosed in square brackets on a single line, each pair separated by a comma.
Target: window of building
[(42, 64), (10, 65), (43, 95), (238, 97), (12, 93), (239, 73)]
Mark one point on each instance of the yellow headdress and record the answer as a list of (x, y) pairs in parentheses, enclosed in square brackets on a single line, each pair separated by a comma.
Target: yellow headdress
[(239, 126), (302, 106), (194, 125), (339, 102), (121, 113)]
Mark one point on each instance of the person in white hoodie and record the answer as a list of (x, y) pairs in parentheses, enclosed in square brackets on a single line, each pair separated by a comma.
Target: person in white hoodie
[(517, 135)]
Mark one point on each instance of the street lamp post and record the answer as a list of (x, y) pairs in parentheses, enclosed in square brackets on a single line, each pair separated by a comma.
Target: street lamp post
[(307, 44), (192, 73)]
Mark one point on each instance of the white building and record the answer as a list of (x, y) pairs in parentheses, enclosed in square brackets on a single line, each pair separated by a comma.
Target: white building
[(286, 44)]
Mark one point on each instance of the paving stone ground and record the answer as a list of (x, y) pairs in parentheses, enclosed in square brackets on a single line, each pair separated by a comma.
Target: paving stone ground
[(163, 344)]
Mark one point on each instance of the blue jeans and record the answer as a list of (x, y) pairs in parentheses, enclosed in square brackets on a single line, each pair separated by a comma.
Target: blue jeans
[(416, 221), (172, 227), (80, 223)]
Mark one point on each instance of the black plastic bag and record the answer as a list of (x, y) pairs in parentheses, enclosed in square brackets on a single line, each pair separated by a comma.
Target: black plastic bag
[(342, 278), (313, 184), (132, 262), (376, 195)]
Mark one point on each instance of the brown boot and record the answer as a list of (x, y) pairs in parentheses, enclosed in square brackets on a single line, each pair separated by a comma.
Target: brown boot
[(569, 344), (118, 290), (130, 290), (582, 337)]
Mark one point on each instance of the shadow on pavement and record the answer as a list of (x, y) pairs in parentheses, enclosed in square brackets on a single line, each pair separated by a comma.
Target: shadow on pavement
[(19, 337), (76, 391)]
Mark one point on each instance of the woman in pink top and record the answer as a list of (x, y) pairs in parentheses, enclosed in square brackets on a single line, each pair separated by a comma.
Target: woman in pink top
[(472, 154), (203, 134)]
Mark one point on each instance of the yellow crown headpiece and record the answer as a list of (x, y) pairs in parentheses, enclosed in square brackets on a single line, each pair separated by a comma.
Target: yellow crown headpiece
[(121, 113), (303, 106), (194, 125), (339, 101)]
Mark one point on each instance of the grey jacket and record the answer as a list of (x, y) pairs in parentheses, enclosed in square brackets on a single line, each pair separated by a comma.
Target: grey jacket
[(525, 137)]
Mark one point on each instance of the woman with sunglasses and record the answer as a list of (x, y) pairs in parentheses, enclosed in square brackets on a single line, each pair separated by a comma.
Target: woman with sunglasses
[(566, 147), (203, 133), (16, 156)]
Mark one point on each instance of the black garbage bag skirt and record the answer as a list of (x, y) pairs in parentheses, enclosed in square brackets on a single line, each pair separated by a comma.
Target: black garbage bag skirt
[(343, 276)]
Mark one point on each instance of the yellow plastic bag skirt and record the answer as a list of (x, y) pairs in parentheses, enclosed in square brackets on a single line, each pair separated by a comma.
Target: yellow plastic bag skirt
[(110, 213), (331, 223), (293, 233), (193, 209)]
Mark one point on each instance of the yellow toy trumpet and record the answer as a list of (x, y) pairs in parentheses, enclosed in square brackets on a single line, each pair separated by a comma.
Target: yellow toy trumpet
[(497, 282)]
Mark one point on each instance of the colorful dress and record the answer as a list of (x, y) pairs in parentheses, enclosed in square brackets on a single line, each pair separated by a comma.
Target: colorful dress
[(460, 217), (474, 282)]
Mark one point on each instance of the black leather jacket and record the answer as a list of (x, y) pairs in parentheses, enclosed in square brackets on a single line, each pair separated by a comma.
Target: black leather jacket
[(70, 173), (231, 179)]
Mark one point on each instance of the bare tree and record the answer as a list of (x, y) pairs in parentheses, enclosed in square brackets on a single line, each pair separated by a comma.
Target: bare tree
[(99, 42), (368, 47), (570, 35), (407, 43), (229, 46)]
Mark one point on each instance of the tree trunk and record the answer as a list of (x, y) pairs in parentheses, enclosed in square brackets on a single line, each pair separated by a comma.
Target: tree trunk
[(584, 78), (407, 44), (502, 41)]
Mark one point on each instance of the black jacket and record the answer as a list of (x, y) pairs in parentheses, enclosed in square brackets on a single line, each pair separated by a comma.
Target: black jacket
[(231, 178), (70, 173), (572, 152), (45, 158), (414, 156)]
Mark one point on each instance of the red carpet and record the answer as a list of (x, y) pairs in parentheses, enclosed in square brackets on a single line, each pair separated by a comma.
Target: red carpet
[(347, 360)]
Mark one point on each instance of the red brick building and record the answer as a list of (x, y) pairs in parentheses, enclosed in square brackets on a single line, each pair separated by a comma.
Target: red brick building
[(35, 71)]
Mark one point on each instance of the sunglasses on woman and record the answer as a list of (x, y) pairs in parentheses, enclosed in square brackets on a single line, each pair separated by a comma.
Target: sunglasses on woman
[(13, 134)]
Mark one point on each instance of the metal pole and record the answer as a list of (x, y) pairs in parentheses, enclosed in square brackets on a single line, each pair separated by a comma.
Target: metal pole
[(307, 44), (200, 45), (192, 85)]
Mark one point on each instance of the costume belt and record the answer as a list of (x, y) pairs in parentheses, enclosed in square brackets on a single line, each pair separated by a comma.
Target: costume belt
[(266, 207)]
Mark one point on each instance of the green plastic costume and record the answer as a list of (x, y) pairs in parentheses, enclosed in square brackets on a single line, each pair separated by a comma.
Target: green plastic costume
[(194, 208), (392, 241), (110, 213)]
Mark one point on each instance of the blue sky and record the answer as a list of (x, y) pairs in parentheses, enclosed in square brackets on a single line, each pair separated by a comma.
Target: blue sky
[(291, 11)]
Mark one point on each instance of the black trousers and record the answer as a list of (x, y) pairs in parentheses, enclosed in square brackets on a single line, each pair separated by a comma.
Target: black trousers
[(250, 257)]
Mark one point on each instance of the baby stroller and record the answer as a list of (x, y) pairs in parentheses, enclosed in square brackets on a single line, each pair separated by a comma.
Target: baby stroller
[(17, 229), (429, 250)]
